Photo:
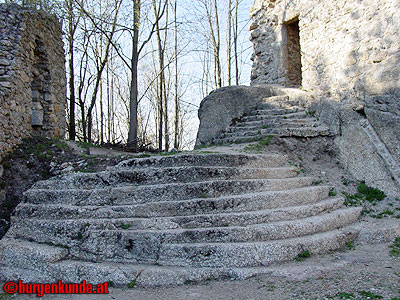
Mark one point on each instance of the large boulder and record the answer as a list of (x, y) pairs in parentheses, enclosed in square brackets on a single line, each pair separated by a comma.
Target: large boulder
[(219, 109)]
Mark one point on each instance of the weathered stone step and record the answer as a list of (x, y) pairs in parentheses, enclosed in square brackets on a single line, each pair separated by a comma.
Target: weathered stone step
[(148, 176), (205, 160), (265, 105), (275, 111), (277, 120), (22, 265), (162, 192), (265, 125), (293, 115), (119, 217), (252, 254), (277, 132), (144, 245), (278, 98), (306, 129)]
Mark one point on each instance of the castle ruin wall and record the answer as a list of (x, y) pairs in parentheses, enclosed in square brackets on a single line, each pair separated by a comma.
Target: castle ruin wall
[(32, 76), (350, 61)]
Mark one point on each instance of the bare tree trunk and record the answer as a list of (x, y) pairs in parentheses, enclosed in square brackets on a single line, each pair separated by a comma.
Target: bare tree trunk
[(235, 41), (161, 77), (133, 117), (215, 37), (101, 114), (166, 126), (108, 133), (71, 32), (229, 41), (217, 50), (176, 131)]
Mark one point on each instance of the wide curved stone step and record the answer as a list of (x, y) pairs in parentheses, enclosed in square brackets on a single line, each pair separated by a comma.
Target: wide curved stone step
[(118, 217), (252, 254), (205, 160), (304, 132), (34, 263), (274, 111), (144, 246), (44, 230), (268, 124), (309, 129), (295, 114), (162, 192), (148, 176)]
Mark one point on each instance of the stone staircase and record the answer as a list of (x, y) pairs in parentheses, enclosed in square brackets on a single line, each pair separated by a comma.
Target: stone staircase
[(171, 220), (275, 116)]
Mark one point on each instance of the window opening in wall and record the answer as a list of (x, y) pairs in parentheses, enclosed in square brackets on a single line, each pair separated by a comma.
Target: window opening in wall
[(40, 86), (294, 76)]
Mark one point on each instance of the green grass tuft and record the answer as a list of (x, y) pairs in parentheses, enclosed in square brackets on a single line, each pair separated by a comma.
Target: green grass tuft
[(395, 248), (126, 226), (303, 255)]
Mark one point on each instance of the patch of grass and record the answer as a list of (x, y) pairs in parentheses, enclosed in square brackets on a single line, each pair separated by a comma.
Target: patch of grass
[(144, 155), (395, 248), (7, 165), (110, 283), (258, 146), (350, 245), (208, 152), (79, 236), (345, 181), (361, 295), (264, 126), (132, 284), (370, 295), (318, 182), (167, 153), (365, 193), (332, 192), (310, 112), (201, 147), (271, 288), (369, 193), (126, 226), (303, 255), (385, 213), (3, 185), (203, 195), (345, 295), (6, 296)]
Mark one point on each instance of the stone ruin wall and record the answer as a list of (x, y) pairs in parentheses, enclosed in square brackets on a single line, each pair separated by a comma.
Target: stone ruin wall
[(350, 62), (32, 76)]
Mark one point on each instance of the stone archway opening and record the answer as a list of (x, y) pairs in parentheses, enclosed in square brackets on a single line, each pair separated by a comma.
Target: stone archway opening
[(293, 53), (40, 87)]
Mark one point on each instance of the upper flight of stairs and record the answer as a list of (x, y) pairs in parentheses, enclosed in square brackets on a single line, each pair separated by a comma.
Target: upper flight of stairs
[(275, 116), (171, 220)]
